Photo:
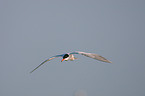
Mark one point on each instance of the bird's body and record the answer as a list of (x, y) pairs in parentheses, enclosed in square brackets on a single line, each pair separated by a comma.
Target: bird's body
[(70, 56)]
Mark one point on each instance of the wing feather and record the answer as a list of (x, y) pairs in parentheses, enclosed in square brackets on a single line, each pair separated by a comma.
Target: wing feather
[(92, 55), (46, 61)]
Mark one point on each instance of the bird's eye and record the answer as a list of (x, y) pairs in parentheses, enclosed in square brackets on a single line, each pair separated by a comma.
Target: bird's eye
[(65, 56)]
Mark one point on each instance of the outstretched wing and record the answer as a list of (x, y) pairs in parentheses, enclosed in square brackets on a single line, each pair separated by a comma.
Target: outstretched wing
[(92, 55), (46, 61)]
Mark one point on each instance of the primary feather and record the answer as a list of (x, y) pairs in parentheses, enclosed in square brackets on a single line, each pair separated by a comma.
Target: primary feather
[(92, 55), (46, 61)]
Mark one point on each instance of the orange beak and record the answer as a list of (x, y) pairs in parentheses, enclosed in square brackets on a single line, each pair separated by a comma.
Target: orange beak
[(62, 60)]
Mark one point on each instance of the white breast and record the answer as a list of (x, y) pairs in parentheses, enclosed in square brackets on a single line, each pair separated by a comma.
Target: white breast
[(71, 57)]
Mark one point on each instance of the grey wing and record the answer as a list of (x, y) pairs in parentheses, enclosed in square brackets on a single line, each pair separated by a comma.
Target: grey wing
[(46, 61), (92, 55)]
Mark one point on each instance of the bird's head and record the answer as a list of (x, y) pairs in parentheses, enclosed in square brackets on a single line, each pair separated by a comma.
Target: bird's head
[(65, 57)]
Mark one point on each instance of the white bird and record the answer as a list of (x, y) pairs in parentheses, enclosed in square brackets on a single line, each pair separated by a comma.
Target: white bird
[(70, 56)]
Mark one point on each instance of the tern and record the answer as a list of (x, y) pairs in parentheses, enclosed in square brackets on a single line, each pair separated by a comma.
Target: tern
[(70, 56)]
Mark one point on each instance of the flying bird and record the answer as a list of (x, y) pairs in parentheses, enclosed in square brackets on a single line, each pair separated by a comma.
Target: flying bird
[(70, 56)]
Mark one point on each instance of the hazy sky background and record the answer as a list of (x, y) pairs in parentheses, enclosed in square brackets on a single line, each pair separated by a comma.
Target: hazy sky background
[(34, 30)]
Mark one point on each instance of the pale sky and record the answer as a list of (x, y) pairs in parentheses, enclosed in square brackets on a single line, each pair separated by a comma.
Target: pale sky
[(34, 30)]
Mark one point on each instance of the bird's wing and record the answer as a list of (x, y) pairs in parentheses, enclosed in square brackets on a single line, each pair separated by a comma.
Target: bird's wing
[(92, 55), (46, 61)]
